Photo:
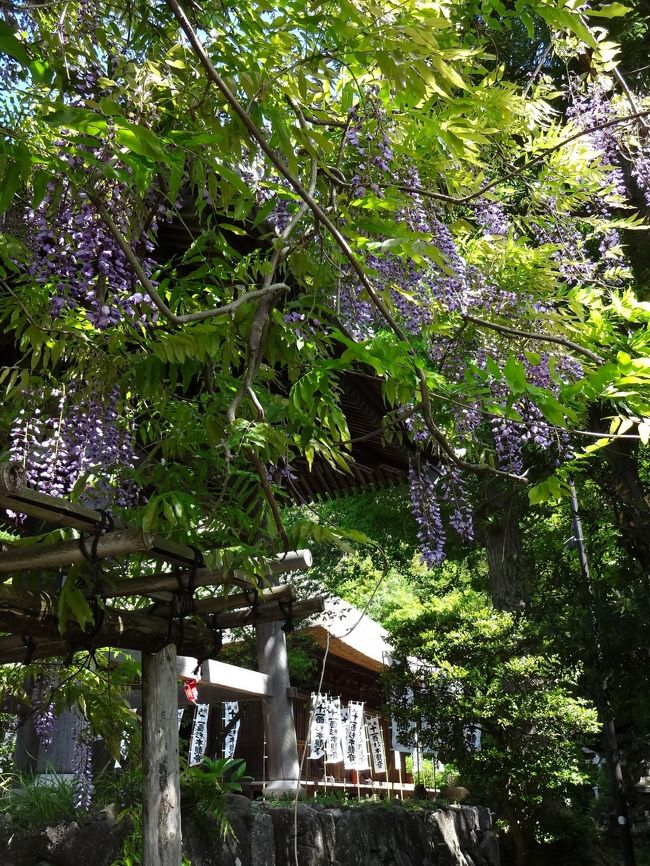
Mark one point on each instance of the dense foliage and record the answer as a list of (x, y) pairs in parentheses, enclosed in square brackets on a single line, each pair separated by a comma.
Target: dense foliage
[(202, 234)]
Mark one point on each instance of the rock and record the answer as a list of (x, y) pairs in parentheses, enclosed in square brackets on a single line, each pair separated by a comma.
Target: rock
[(97, 842), (454, 795), (262, 844), (264, 835), (489, 846), (239, 805)]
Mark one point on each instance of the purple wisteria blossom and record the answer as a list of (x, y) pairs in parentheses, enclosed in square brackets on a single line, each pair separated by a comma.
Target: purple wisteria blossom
[(82, 264), (44, 716), (82, 760), (491, 217), (60, 435), (426, 510)]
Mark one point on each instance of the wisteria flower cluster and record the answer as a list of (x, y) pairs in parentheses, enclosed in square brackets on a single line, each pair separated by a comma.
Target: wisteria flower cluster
[(80, 261), (44, 715), (82, 760), (61, 435), (426, 510)]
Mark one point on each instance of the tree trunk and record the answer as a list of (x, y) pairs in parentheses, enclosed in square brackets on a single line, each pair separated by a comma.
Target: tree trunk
[(517, 835), (619, 479), (498, 521), (161, 800)]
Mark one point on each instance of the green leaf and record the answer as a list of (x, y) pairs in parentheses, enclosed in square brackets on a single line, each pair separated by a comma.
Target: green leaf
[(144, 142), (12, 46), (515, 375), (9, 185), (73, 605), (611, 10)]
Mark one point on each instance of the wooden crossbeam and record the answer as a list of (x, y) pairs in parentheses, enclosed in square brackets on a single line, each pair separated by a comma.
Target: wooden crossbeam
[(17, 496), (166, 581), (37, 557), (31, 619), (233, 602)]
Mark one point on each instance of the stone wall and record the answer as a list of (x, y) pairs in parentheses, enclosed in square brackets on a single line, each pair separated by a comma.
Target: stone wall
[(369, 835)]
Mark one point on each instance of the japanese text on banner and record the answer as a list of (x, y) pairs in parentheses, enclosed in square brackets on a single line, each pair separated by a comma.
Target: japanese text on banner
[(376, 738), (231, 728), (356, 753), (333, 744), (199, 739), (317, 728)]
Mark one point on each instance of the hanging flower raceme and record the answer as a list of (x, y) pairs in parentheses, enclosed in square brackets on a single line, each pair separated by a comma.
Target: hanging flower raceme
[(44, 715), (82, 760), (61, 435), (426, 510), (81, 262)]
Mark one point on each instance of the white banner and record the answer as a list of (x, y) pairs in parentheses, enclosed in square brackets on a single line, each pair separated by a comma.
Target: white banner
[(398, 746), (199, 738), (376, 738), (344, 731), (180, 717), (317, 736), (333, 731), (356, 752), (230, 710)]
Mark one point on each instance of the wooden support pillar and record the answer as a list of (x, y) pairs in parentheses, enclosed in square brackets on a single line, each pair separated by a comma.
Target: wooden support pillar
[(279, 726), (161, 802)]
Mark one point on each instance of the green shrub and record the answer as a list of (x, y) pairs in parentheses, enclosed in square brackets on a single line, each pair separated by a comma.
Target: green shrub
[(30, 799)]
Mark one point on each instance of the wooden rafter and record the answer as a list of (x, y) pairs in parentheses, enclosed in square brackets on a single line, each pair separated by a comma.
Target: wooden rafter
[(38, 557), (17, 496), (31, 619)]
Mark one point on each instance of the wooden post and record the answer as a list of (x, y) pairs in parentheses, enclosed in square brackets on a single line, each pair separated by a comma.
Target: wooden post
[(279, 726), (161, 803)]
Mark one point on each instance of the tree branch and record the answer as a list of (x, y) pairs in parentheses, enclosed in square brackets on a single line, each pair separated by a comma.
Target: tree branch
[(148, 286), (270, 497), (322, 217), (529, 335), (450, 199)]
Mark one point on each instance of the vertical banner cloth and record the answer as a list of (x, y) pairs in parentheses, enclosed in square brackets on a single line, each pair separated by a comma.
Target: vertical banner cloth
[(356, 752), (180, 717), (317, 735), (334, 734), (230, 710), (199, 739), (397, 744), (376, 737)]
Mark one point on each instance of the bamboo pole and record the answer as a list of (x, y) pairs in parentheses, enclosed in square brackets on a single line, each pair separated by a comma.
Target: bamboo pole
[(55, 556), (17, 496), (161, 801), (166, 581), (270, 612)]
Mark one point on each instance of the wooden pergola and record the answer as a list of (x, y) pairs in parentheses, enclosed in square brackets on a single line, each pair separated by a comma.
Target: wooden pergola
[(177, 634)]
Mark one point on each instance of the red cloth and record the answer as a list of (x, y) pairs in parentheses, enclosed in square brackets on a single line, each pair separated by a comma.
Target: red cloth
[(191, 691)]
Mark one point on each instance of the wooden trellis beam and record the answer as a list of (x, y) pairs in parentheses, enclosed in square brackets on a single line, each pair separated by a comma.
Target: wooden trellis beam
[(235, 601), (31, 619), (17, 496), (271, 612), (40, 557), (166, 581)]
